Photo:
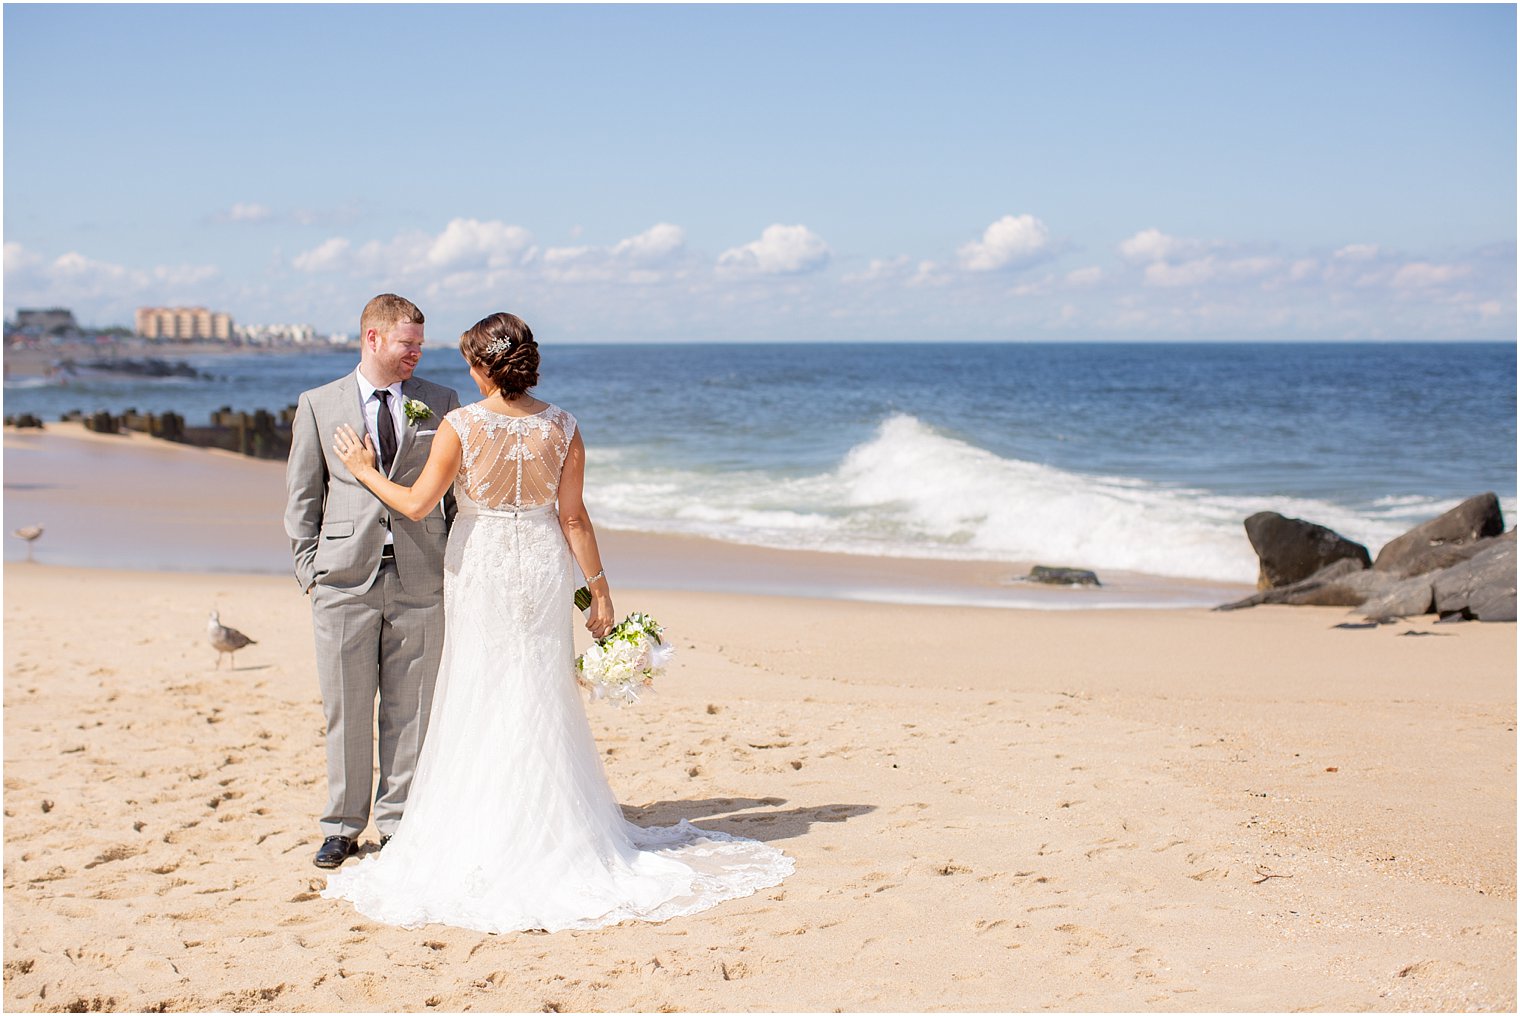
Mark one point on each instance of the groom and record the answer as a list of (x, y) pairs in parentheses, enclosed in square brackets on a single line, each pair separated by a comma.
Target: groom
[(375, 578)]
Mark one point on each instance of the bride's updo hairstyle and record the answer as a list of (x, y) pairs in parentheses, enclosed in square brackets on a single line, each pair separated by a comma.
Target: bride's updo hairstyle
[(502, 347)]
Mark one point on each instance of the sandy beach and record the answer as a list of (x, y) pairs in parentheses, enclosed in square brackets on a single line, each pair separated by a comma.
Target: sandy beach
[(989, 808)]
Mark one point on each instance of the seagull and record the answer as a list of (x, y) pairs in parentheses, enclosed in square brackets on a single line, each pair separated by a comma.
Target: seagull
[(225, 640), (29, 534)]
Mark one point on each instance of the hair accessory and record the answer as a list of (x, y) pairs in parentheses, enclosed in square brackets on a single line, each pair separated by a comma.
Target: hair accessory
[(499, 345)]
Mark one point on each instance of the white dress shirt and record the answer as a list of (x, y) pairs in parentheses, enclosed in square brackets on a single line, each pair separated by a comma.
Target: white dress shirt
[(372, 418)]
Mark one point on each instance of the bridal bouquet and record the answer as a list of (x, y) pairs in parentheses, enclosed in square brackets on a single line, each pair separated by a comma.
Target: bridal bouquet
[(625, 661)]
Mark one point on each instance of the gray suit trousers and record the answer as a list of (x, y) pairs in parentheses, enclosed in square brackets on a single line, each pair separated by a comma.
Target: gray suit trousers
[(382, 634)]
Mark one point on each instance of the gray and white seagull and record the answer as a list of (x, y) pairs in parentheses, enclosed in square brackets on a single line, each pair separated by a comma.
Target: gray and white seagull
[(29, 534), (226, 640)]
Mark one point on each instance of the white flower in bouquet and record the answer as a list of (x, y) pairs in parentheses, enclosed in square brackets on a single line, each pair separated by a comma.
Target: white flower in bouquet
[(623, 664)]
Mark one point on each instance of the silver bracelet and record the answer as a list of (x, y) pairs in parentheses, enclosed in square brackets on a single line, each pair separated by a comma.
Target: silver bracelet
[(598, 575)]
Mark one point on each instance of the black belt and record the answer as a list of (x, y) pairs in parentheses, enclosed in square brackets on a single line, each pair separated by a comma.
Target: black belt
[(388, 552)]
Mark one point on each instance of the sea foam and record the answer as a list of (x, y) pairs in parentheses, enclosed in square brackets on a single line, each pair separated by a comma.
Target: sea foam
[(912, 490)]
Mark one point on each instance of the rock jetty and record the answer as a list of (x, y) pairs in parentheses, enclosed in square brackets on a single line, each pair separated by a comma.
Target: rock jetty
[(1460, 566), (260, 434)]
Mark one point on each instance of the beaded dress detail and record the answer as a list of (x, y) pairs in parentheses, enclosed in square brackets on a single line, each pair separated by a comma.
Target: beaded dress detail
[(510, 824)]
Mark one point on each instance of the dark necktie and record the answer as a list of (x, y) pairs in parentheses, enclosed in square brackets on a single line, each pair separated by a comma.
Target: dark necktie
[(385, 426)]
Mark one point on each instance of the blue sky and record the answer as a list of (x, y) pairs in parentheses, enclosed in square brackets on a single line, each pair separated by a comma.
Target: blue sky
[(773, 172)]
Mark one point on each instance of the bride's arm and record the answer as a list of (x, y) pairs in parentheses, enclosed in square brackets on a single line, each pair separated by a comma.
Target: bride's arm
[(581, 537), (417, 500)]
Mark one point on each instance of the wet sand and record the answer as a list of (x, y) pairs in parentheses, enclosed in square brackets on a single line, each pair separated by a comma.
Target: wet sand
[(168, 506)]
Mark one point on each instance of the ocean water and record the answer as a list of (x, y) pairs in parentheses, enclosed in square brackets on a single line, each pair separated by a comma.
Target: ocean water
[(1129, 457)]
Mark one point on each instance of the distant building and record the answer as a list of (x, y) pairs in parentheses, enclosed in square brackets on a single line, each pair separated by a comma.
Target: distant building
[(53, 319), (276, 335), (183, 324)]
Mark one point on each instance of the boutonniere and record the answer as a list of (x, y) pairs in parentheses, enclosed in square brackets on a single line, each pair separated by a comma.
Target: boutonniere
[(415, 410)]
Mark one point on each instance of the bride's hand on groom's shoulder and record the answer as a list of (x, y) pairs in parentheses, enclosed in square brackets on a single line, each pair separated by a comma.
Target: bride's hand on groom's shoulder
[(356, 454)]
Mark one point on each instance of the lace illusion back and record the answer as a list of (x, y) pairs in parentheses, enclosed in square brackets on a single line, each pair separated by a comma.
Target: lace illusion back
[(510, 824), (512, 462)]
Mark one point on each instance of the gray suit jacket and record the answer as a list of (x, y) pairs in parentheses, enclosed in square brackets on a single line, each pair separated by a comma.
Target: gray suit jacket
[(336, 526)]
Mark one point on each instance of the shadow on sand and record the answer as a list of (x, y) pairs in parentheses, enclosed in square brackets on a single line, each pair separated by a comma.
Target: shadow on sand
[(743, 816)]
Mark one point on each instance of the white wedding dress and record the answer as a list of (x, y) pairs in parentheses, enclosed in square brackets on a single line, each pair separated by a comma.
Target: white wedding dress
[(510, 824)]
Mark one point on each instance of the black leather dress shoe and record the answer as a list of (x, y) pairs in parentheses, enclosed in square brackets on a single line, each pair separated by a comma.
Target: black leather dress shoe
[(384, 840), (334, 851)]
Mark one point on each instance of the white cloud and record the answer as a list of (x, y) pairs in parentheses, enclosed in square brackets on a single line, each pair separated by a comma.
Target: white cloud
[(1172, 261), (1184, 261), (1011, 241), (470, 256), (184, 275), (1188, 273), (470, 243), (100, 291), (18, 258), (899, 271), (1422, 275), (1251, 267), (1152, 284), (327, 256), (657, 244), (92, 276), (1152, 245), (247, 212), (342, 215), (74, 267), (894, 269), (640, 259), (928, 273), (1368, 266), (1357, 252), (403, 255), (568, 255), (781, 250)]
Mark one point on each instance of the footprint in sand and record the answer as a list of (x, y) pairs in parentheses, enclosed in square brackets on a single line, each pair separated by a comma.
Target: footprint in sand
[(1210, 875), (15, 968)]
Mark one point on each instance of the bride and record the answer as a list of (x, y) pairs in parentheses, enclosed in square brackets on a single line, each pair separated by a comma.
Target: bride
[(510, 824)]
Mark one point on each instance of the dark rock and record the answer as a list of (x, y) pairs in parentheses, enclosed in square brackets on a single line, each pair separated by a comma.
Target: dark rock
[(1355, 625), (102, 423), (1424, 634), (1483, 588), (1443, 541), (1062, 576), (1351, 589), (1292, 550), (1405, 598), (1343, 583)]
